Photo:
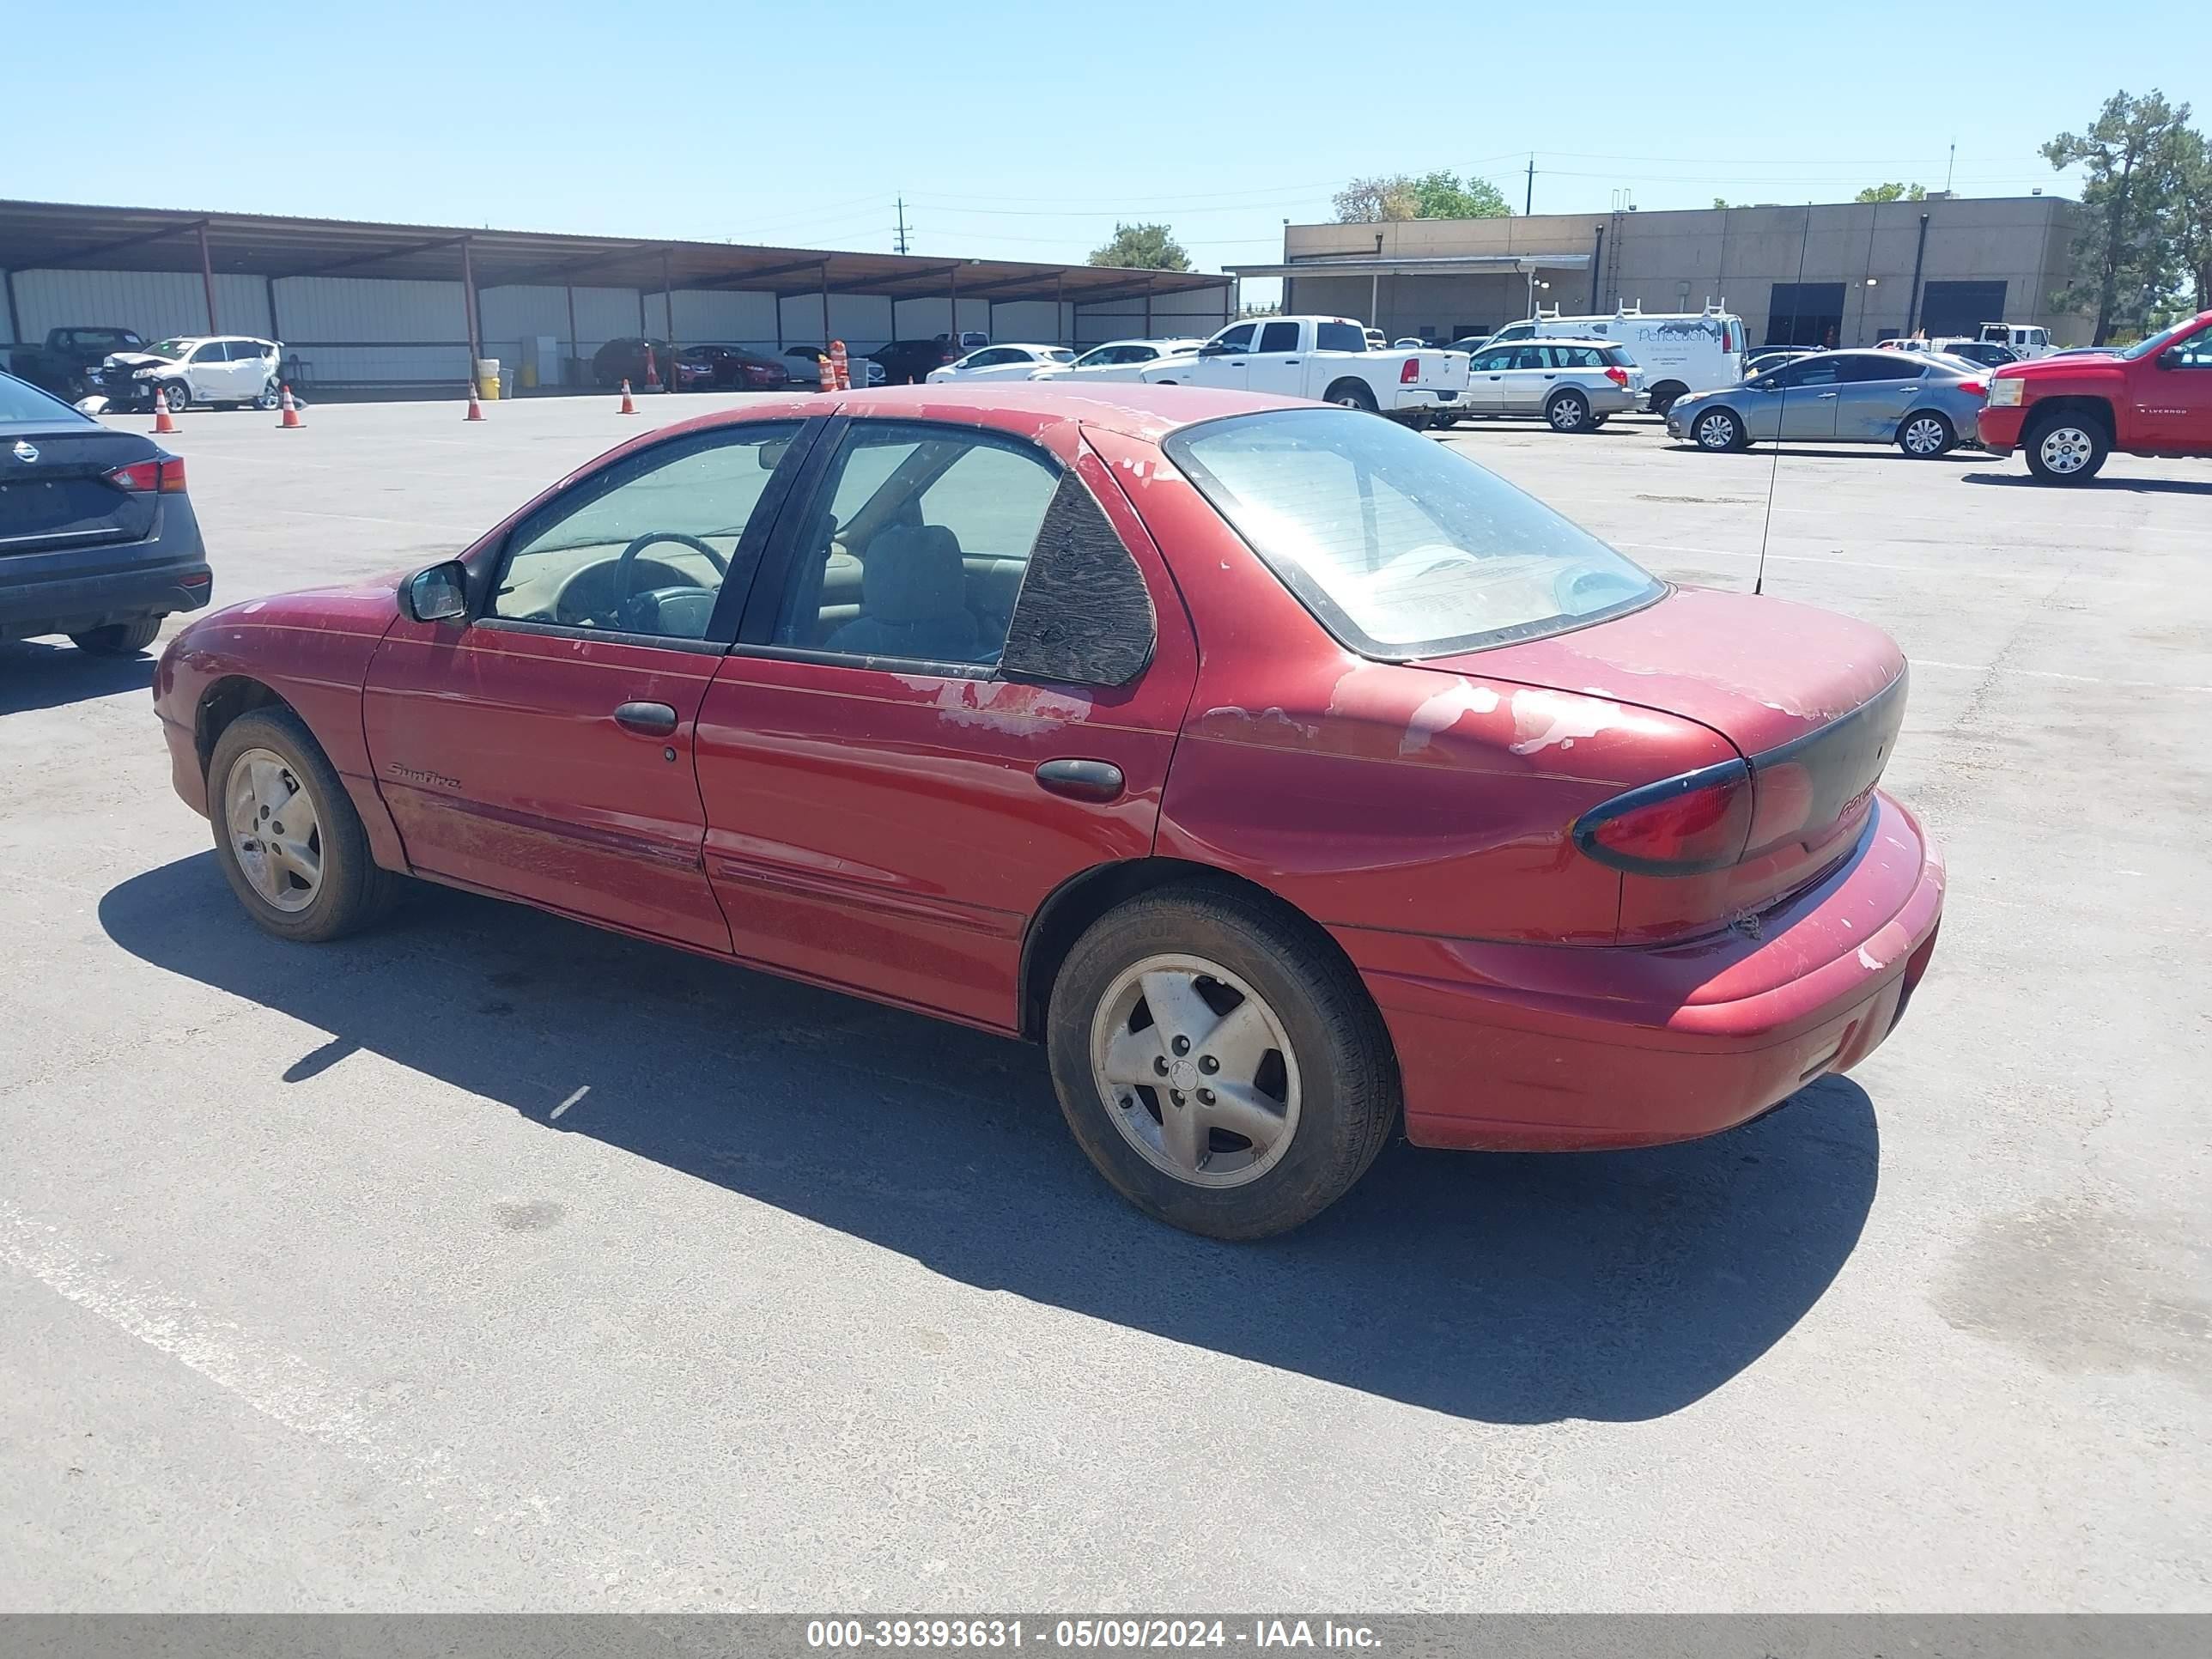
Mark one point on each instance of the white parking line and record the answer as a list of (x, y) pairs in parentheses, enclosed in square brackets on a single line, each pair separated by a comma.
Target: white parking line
[(283, 1387), (2053, 674)]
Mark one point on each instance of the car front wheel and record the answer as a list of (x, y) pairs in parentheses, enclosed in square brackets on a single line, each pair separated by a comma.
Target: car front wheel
[(286, 834), (1224, 1069), (2066, 449), (1718, 429), (176, 395)]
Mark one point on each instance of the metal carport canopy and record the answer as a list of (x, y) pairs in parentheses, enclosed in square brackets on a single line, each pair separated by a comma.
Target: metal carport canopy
[(60, 235)]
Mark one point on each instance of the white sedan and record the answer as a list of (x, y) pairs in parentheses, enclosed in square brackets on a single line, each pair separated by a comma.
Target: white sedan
[(1003, 362), (1118, 360)]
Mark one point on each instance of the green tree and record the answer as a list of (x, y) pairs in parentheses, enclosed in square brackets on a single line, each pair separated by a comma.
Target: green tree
[(1892, 193), (2125, 249), (2193, 210), (1142, 247), (1443, 195), (1399, 196)]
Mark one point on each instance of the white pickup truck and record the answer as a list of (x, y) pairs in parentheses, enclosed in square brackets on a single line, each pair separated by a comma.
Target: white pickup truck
[(1326, 358)]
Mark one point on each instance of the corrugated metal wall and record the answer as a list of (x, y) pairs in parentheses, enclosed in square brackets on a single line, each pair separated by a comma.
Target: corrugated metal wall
[(377, 331), (157, 303)]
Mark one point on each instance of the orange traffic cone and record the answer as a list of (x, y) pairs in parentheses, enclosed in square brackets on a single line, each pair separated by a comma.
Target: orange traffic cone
[(628, 404), (652, 372), (290, 416), (163, 420), (476, 409)]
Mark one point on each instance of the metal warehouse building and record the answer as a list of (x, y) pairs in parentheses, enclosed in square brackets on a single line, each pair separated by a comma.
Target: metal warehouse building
[(1842, 274), (390, 307)]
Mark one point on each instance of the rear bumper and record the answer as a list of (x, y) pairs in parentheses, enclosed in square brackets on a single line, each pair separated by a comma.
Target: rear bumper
[(1429, 398), (72, 590), (1547, 1048)]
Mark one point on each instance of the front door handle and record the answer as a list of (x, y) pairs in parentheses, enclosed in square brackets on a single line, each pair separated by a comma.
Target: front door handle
[(1081, 779), (647, 719), (1825, 395)]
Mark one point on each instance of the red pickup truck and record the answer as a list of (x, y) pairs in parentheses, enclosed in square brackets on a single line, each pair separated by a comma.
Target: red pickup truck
[(2068, 412)]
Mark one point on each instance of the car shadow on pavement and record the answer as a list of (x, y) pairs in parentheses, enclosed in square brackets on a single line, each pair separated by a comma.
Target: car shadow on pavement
[(2147, 486), (1504, 1288), (42, 674)]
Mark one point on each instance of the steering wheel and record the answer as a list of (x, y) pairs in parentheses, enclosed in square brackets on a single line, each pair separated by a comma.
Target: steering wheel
[(625, 564)]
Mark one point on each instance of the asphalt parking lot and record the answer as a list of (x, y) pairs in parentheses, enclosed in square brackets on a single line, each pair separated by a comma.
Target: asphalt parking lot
[(488, 1261)]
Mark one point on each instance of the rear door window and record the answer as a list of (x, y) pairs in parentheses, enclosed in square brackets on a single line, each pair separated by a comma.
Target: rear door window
[(1882, 366), (1339, 337)]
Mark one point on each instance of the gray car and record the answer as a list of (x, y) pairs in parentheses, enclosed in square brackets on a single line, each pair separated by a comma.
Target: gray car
[(1923, 405)]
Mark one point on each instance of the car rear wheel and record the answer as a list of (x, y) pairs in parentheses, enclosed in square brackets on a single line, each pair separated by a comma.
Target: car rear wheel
[(1352, 394), (1663, 396), (2066, 449), (1568, 411), (1718, 429), (119, 639), (1224, 1069), (286, 834), (272, 395), (1925, 435)]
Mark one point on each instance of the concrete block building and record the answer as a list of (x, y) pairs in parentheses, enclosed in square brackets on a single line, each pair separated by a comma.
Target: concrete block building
[(1837, 274)]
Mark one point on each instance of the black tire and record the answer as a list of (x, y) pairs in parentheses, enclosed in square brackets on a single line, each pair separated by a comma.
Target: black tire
[(2066, 449), (1664, 394), (1925, 434), (1719, 431), (177, 395), (1350, 393), (125, 639), (272, 396), (1597, 420), (353, 891), (1348, 1075), (1567, 410)]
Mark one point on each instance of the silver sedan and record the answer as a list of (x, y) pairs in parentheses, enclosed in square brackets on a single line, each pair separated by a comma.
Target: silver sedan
[(1924, 404)]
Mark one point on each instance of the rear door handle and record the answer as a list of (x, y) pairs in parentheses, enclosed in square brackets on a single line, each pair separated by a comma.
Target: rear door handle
[(1290, 362), (647, 719), (1831, 394), (1081, 779)]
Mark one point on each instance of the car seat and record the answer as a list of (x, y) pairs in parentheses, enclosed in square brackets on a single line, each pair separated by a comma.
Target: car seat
[(914, 598)]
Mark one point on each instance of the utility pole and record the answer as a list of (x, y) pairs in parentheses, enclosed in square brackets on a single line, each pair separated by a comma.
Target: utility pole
[(902, 224), (1528, 202), (1949, 165)]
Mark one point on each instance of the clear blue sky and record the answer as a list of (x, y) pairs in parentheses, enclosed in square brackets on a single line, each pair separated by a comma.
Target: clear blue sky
[(1024, 130)]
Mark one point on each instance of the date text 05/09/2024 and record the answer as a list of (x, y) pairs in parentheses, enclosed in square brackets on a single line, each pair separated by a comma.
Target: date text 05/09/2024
[(1113, 1634)]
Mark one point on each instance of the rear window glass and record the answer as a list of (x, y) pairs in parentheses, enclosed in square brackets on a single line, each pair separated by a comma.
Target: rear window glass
[(19, 402), (1339, 337), (1400, 547)]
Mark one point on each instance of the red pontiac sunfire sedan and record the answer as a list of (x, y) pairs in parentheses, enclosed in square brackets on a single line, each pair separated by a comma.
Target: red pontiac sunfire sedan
[(1282, 770)]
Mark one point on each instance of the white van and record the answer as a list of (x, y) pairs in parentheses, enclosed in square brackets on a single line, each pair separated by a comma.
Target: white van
[(1680, 352), (2025, 339)]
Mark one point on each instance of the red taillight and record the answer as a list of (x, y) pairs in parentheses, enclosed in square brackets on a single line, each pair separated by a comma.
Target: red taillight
[(164, 474), (1680, 826), (1973, 388), (1618, 376), (1411, 372)]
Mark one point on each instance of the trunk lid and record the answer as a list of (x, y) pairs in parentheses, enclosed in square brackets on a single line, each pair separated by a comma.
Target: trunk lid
[(60, 496), (1812, 700)]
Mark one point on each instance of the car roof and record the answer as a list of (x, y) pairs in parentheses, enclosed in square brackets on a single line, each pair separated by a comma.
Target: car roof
[(1132, 408)]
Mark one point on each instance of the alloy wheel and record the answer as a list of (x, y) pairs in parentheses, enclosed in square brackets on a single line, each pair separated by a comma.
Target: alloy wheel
[(1196, 1070), (1716, 431), (1924, 436), (274, 829)]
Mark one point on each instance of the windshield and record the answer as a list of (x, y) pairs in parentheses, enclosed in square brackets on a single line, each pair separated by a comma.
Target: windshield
[(1058, 355), (2157, 343), (171, 350), (1400, 547)]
